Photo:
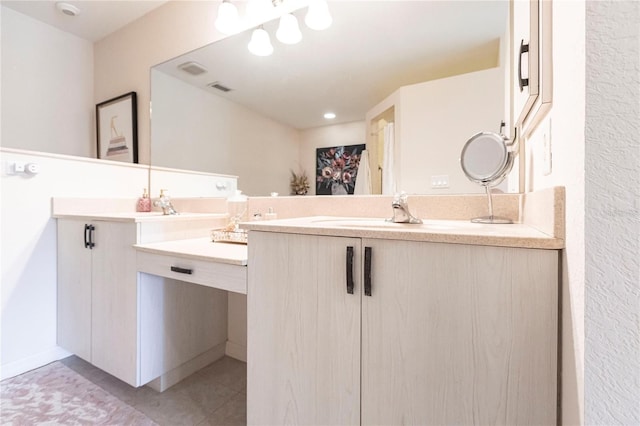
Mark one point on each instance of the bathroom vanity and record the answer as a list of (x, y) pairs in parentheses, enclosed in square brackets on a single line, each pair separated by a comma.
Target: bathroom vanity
[(136, 326), (355, 321), (351, 320)]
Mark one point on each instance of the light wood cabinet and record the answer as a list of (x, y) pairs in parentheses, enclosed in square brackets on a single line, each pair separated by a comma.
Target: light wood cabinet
[(136, 327), (451, 334), (74, 289), (97, 294), (303, 354), (531, 63)]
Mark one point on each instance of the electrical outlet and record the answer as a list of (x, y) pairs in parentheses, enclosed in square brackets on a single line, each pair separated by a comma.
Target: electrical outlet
[(440, 181), (15, 167)]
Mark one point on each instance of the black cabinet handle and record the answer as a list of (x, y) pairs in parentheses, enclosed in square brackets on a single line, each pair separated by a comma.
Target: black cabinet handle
[(522, 82), (350, 270), (91, 243), (367, 271), (182, 270), (88, 236)]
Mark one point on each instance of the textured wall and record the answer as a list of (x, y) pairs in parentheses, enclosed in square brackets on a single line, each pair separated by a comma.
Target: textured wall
[(612, 237), (566, 127)]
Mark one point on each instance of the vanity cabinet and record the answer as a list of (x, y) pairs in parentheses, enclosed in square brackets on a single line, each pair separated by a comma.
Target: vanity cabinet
[(136, 326), (97, 294), (450, 333)]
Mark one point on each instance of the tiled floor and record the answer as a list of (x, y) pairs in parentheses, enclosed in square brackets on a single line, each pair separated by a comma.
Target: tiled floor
[(215, 395)]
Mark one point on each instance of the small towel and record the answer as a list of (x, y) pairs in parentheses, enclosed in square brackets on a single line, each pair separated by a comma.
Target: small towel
[(363, 178), (388, 168)]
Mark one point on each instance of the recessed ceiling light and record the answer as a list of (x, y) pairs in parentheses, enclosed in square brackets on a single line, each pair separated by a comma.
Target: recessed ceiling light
[(68, 9), (329, 116)]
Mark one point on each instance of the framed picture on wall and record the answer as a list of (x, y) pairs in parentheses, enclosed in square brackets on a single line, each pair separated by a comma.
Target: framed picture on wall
[(337, 169), (117, 128)]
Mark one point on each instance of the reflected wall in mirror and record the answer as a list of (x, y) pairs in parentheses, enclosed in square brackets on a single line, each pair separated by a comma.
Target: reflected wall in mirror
[(437, 70)]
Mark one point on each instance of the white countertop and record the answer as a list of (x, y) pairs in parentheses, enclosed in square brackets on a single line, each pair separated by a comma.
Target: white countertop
[(201, 249), (438, 231), (140, 217)]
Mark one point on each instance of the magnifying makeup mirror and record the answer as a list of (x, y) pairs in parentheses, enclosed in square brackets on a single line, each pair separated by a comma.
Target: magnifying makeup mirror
[(486, 159)]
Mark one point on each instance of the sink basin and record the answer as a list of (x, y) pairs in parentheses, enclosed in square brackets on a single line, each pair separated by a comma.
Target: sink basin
[(376, 223)]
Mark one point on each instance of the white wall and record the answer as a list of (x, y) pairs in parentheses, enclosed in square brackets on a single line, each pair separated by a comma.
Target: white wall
[(28, 240), (197, 130), (123, 59), (612, 231), (437, 118), (326, 136), (566, 124), (47, 80), (434, 119)]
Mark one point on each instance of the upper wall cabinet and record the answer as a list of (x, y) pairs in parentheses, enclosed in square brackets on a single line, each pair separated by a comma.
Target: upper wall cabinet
[(531, 63)]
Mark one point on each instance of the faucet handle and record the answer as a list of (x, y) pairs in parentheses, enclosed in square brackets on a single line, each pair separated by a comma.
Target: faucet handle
[(400, 197)]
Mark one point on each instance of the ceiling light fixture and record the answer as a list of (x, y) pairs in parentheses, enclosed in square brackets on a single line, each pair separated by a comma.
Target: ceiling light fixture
[(288, 30), (260, 8), (68, 9), (260, 44), (318, 16), (227, 21), (329, 115)]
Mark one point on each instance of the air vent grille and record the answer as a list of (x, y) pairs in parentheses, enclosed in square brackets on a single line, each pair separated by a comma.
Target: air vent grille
[(192, 68), (217, 85)]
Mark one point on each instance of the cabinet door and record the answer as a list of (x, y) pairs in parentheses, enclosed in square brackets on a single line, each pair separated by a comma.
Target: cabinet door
[(303, 331), (524, 65), (114, 300), (456, 334), (74, 289)]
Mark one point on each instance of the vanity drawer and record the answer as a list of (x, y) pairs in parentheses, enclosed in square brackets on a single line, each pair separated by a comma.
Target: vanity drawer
[(211, 274)]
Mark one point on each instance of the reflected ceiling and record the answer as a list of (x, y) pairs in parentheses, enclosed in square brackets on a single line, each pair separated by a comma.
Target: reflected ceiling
[(372, 48)]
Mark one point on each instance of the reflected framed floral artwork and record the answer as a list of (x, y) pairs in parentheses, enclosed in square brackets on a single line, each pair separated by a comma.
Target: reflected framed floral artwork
[(337, 169), (117, 128)]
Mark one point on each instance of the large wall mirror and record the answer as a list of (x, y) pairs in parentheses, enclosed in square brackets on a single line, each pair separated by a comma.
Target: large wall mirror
[(437, 70)]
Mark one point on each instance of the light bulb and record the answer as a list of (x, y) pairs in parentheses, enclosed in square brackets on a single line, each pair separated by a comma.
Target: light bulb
[(227, 21), (288, 30), (318, 16), (260, 44)]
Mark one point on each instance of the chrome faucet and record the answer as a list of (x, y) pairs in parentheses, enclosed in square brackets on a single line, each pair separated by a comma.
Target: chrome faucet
[(401, 213), (165, 204)]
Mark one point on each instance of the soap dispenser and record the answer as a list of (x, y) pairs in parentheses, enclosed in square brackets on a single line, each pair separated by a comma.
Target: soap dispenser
[(144, 202)]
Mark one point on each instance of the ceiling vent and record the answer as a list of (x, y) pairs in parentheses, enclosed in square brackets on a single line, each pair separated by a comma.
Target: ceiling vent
[(192, 68), (218, 86)]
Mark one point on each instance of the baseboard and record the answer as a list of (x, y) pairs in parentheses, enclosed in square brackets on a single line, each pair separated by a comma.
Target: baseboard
[(183, 371), (32, 362), (236, 351)]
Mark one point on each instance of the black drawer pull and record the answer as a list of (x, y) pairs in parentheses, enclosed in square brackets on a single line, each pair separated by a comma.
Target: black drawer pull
[(367, 271), (182, 270), (350, 270)]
